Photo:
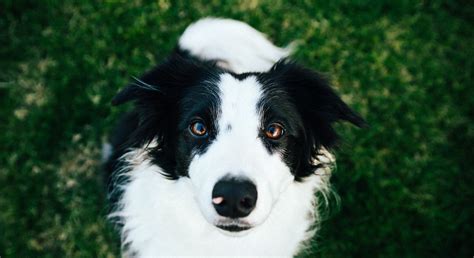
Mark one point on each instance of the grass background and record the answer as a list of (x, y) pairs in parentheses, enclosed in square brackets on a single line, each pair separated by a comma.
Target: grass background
[(406, 183)]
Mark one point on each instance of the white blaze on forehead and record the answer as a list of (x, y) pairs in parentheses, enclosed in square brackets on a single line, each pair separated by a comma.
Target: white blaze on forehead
[(239, 100), (238, 151)]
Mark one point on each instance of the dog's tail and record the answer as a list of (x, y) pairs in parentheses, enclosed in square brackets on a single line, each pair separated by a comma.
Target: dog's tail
[(233, 44)]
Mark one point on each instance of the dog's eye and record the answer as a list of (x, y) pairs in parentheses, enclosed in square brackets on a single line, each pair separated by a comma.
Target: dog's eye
[(198, 129), (274, 131)]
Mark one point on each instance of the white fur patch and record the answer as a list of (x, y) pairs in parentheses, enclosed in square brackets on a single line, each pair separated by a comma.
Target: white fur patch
[(162, 217), (239, 47), (239, 152)]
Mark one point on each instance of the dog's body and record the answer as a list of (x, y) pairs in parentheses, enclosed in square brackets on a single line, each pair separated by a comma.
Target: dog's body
[(223, 120)]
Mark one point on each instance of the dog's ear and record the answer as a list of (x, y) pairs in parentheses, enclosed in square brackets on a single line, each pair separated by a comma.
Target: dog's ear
[(166, 80), (151, 105), (318, 104)]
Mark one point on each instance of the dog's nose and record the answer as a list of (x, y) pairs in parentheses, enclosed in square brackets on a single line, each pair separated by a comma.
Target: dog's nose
[(234, 197)]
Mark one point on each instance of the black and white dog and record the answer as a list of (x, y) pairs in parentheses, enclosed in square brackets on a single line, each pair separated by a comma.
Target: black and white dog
[(225, 149)]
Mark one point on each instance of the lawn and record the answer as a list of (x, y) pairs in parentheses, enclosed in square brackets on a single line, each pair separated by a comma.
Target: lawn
[(406, 184)]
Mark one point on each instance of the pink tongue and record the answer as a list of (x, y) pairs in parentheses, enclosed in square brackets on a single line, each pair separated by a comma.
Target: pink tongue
[(217, 200)]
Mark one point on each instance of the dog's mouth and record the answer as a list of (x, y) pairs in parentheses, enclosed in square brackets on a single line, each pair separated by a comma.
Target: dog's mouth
[(233, 226)]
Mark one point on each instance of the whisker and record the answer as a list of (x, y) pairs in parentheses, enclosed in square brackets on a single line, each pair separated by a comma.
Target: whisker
[(144, 85)]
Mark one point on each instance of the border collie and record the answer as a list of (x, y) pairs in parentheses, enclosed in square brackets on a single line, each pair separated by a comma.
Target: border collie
[(225, 149)]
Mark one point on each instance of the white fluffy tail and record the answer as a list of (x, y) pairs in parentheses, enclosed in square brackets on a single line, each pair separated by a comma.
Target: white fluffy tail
[(234, 44)]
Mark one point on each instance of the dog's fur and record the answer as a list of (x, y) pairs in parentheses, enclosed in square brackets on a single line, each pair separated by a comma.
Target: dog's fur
[(229, 76)]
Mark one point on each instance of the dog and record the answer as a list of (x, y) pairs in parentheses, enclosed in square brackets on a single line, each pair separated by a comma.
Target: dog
[(227, 145)]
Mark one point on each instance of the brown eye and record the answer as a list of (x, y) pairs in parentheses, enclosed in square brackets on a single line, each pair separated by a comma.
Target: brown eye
[(198, 129), (274, 131)]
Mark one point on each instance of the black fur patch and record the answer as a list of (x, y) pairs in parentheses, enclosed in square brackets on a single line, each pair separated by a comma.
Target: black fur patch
[(305, 104), (167, 99)]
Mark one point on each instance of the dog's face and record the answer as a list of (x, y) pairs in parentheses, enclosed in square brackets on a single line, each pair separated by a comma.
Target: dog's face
[(240, 139)]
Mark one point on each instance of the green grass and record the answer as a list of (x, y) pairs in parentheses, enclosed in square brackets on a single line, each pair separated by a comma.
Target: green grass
[(406, 183)]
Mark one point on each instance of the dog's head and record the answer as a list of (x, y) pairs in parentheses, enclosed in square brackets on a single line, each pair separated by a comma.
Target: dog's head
[(241, 139)]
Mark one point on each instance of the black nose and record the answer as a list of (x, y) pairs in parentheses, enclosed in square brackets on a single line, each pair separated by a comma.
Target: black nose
[(234, 197)]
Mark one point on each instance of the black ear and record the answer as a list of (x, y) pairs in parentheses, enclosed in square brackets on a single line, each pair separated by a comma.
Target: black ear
[(317, 103), (150, 105), (177, 72)]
